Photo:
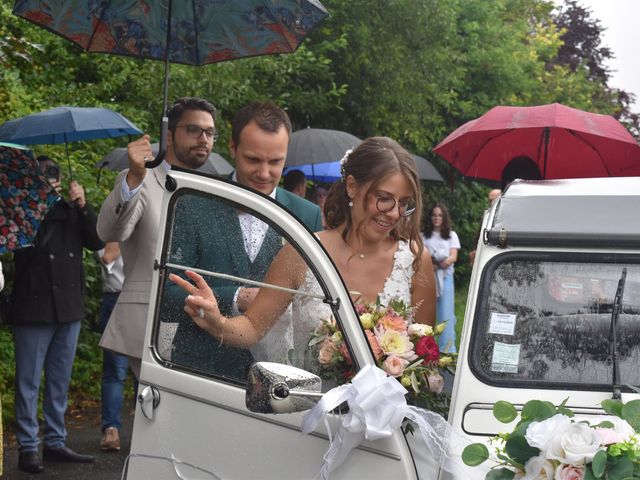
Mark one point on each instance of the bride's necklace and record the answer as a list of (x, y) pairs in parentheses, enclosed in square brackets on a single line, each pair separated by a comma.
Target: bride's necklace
[(360, 255)]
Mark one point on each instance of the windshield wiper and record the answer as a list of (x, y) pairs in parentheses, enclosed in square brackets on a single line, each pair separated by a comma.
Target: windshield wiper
[(613, 334)]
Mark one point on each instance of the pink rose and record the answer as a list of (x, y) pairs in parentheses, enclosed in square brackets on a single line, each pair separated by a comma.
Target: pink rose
[(570, 472), (344, 351), (375, 346), (609, 436), (325, 355), (436, 382), (393, 322), (394, 365), (428, 348)]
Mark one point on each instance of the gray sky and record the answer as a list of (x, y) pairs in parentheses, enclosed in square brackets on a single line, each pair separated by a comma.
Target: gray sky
[(620, 18)]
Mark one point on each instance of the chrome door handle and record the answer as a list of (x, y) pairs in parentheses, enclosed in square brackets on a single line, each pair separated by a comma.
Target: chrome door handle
[(149, 399)]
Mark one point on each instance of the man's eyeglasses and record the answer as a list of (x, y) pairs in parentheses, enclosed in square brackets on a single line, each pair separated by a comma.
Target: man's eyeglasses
[(194, 131), (385, 204)]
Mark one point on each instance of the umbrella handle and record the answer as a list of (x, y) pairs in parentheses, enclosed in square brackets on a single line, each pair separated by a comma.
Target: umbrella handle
[(162, 149)]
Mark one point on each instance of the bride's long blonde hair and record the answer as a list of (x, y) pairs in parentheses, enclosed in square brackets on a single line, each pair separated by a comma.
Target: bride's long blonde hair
[(373, 161)]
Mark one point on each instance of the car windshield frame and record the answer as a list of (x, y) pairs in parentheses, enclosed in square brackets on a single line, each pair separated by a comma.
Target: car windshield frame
[(481, 336)]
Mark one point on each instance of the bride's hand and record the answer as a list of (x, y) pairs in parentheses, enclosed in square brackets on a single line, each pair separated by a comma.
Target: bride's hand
[(201, 304)]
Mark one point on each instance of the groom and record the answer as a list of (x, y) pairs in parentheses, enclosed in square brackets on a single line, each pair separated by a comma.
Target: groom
[(234, 242)]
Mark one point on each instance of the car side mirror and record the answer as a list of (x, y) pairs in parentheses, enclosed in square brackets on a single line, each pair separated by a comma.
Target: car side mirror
[(278, 388)]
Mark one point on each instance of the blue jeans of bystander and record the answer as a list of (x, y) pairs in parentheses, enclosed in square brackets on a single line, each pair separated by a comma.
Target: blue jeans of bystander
[(114, 371), (52, 348)]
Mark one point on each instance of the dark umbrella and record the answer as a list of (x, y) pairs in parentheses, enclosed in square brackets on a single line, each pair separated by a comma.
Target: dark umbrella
[(66, 124), (319, 145), (25, 198), (192, 32), (118, 159), (426, 170), (329, 172), (563, 142)]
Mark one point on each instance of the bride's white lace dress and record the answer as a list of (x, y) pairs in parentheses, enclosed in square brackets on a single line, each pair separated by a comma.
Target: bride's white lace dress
[(308, 312)]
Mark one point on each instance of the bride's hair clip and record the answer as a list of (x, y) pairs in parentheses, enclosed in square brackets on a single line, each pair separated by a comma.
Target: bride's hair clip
[(343, 163)]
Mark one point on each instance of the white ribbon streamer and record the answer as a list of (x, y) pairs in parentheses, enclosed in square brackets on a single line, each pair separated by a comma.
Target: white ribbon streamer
[(377, 407)]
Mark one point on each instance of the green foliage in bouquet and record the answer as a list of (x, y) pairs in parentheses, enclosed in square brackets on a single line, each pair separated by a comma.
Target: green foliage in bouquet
[(550, 443)]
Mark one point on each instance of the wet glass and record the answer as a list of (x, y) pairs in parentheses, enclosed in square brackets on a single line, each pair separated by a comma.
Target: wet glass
[(549, 322), (233, 249)]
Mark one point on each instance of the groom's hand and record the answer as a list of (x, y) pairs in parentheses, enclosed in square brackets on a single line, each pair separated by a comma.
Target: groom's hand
[(246, 296)]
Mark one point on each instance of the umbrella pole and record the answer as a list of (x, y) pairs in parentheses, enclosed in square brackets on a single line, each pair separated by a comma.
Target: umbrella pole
[(66, 149), (164, 124)]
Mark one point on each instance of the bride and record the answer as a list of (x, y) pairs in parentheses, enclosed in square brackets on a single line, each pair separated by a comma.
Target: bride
[(373, 237)]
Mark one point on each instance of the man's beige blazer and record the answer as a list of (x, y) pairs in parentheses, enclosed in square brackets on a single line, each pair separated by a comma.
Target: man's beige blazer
[(135, 224)]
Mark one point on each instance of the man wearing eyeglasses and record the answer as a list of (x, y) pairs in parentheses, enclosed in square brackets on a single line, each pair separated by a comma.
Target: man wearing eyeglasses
[(131, 215)]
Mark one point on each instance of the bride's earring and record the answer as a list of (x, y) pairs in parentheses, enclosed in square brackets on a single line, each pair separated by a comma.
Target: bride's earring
[(350, 203)]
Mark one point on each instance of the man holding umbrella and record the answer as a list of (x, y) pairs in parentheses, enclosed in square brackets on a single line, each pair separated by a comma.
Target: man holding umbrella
[(47, 307), (131, 215)]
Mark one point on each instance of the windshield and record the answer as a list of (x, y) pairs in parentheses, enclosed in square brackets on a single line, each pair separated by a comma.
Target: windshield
[(547, 322)]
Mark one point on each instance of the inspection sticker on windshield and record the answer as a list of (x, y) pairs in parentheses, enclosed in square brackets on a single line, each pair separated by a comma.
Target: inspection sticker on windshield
[(502, 323), (505, 358)]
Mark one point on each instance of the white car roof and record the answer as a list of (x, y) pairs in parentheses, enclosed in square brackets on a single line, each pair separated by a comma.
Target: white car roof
[(585, 212)]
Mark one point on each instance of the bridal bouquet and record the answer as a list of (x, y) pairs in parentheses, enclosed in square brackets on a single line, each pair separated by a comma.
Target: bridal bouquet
[(404, 350), (550, 443)]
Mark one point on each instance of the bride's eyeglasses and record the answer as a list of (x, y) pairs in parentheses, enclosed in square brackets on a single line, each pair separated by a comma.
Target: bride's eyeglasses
[(385, 203)]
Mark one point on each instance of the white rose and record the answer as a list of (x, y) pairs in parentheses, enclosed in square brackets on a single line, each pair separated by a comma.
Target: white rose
[(420, 329), (540, 433), (575, 444), (538, 468), (620, 426)]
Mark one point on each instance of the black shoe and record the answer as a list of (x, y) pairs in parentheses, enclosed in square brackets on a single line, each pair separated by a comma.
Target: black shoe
[(30, 462), (65, 454)]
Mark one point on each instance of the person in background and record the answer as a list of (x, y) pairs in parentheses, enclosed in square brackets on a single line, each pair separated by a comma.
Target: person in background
[(319, 198), (493, 195), (295, 182), (521, 167), (114, 366), (443, 245), (131, 214), (46, 311)]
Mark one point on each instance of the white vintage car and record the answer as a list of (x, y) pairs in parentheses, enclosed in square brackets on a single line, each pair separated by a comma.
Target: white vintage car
[(538, 326)]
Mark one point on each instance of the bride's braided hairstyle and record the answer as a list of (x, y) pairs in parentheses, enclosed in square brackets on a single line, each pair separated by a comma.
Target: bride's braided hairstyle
[(375, 159)]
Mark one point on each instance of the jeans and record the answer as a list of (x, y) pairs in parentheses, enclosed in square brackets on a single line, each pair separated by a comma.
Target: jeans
[(445, 312), (114, 371), (52, 348)]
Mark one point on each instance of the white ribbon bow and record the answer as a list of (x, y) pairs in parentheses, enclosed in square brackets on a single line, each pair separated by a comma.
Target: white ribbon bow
[(377, 407)]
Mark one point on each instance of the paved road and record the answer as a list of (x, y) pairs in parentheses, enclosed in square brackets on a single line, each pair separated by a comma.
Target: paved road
[(83, 436)]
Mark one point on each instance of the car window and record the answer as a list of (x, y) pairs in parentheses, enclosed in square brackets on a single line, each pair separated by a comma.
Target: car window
[(206, 233), (547, 322)]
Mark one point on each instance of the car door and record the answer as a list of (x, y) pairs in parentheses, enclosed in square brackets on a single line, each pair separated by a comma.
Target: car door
[(191, 420)]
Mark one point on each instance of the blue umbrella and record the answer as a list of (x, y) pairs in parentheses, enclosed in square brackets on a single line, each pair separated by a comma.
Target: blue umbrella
[(329, 172), (66, 124)]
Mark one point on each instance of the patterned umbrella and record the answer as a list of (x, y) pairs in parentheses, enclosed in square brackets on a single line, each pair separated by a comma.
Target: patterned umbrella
[(192, 32), (25, 198)]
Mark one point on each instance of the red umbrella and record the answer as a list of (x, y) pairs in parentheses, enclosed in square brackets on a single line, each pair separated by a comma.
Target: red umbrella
[(564, 142)]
